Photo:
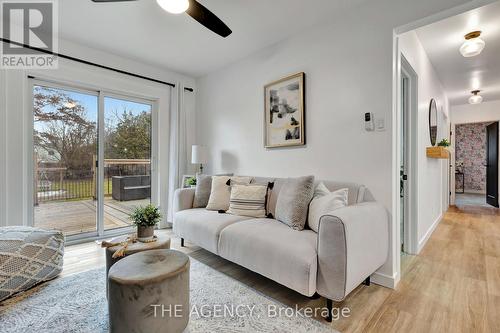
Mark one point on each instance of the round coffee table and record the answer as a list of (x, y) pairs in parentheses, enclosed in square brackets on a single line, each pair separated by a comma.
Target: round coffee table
[(162, 242)]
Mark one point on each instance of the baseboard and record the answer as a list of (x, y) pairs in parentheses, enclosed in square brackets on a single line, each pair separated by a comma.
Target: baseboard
[(385, 280), (423, 241)]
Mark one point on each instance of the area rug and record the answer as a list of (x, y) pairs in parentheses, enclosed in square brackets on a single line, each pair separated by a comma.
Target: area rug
[(77, 303)]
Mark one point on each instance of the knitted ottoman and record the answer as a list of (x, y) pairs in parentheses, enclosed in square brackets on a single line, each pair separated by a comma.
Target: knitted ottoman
[(28, 256)]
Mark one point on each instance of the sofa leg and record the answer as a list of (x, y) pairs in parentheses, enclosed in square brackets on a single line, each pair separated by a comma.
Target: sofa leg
[(315, 296), (329, 306), (367, 281), (182, 242)]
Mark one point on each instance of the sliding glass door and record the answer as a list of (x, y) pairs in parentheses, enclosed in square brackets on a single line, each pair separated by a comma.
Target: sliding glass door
[(127, 159), (64, 149), (92, 155)]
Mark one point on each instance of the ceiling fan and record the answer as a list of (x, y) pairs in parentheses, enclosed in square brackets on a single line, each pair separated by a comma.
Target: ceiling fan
[(194, 9)]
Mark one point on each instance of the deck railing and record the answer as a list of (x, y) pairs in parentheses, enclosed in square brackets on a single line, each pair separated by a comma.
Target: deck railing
[(63, 184)]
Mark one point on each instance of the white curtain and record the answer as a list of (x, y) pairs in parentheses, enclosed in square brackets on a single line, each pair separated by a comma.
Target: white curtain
[(178, 165)]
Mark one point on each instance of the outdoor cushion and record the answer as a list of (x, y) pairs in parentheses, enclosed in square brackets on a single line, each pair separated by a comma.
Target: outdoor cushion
[(203, 226), (28, 256)]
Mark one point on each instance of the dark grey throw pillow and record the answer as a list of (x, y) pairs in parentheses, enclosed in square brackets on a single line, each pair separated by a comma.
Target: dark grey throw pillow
[(202, 191), (293, 201)]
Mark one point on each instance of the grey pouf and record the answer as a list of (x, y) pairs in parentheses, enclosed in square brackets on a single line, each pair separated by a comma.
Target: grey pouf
[(28, 256), (149, 293)]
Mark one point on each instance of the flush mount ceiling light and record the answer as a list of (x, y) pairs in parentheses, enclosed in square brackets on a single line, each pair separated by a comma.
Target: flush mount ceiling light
[(473, 45), (475, 98), (174, 6)]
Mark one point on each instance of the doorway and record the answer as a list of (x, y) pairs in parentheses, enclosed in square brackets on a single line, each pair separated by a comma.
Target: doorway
[(92, 153), (476, 164)]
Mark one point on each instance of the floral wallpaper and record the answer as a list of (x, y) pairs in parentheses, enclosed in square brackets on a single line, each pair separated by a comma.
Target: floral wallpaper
[(470, 152)]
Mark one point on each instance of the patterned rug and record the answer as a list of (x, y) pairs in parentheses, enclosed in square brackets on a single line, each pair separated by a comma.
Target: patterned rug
[(77, 303)]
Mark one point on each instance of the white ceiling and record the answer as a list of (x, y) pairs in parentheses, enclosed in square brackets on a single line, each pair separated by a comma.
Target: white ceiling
[(142, 31), (460, 75)]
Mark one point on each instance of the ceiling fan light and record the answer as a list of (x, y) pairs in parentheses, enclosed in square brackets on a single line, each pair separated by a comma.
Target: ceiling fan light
[(174, 6), (473, 45)]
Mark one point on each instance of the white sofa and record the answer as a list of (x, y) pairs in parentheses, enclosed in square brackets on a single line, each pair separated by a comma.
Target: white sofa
[(352, 242)]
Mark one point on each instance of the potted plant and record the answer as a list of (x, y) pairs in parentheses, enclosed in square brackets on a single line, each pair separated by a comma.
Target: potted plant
[(146, 218), (191, 182), (444, 143)]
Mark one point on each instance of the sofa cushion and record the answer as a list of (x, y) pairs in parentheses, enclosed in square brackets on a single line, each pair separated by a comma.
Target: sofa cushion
[(293, 201), (271, 248), (202, 226)]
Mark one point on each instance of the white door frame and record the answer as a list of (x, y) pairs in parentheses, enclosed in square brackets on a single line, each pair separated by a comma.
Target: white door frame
[(101, 93), (411, 211)]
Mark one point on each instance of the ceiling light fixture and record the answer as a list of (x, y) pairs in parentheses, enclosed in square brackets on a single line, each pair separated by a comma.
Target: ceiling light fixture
[(174, 6), (475, 98), (473, 45)]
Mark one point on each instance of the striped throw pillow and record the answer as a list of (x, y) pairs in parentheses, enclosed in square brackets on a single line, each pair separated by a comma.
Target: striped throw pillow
[(248, 200)]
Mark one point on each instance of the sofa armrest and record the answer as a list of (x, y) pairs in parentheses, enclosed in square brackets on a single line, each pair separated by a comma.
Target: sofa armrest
[(183, 199), (353, 242)]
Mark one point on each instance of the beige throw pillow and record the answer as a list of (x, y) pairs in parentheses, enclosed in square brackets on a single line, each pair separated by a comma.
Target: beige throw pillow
[(221, 191), (248, 200), (325, 204)]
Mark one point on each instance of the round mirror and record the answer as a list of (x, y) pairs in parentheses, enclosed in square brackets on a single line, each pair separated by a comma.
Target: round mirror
[(433, 121)]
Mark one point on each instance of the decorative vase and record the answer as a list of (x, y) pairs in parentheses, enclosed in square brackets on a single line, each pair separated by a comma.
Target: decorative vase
[(145, 233)]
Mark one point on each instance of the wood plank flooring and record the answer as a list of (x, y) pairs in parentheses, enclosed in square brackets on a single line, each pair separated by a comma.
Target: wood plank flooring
[(452, 286), (74, 217)]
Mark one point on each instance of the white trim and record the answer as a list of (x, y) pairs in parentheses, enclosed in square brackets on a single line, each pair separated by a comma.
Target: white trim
[(423, 240), (385, 280), (411, 221), (3, 147)]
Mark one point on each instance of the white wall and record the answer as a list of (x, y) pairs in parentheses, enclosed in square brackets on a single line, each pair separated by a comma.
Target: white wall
[(432, 174), (15, 118), (349, 71), (466, 114), (478, 113)]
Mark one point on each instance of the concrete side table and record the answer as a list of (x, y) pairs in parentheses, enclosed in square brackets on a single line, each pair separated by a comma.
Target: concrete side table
[(149, 292)]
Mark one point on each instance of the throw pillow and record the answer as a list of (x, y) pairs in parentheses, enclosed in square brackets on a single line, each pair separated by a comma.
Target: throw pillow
[(221, 191), (202, 191), (325, 204), (293, 201), (320, 190), (248, 200)]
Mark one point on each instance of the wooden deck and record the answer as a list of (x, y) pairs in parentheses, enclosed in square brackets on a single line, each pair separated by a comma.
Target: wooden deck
[(74, 217)]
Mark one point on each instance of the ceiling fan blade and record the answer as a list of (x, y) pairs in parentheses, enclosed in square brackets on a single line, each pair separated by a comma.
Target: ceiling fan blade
[(201, 14)]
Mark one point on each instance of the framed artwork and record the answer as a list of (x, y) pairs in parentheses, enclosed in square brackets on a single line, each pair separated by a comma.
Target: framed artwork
[(284, 119)]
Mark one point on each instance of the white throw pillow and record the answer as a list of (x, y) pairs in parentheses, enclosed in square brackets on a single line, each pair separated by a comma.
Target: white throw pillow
[(221, 191), (248, 200), (320, 191), (325, 204)]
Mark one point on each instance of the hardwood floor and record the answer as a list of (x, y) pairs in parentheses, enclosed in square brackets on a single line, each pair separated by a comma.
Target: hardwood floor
[(452, 286)]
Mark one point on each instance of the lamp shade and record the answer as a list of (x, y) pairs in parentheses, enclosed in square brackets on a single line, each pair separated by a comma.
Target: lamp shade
[(198, 154)]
